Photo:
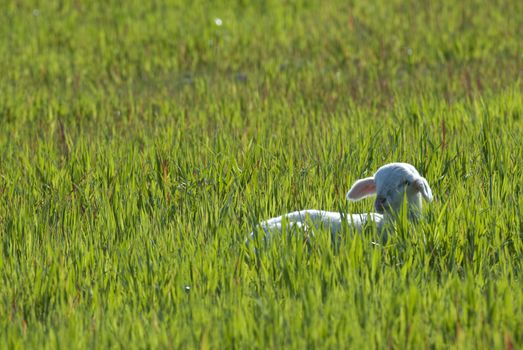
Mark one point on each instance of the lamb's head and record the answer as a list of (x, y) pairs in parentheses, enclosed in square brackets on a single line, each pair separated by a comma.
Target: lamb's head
[(391, 183)]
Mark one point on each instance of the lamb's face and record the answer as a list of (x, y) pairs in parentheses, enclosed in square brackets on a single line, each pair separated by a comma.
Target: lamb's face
[(391, 184), (394, 182)]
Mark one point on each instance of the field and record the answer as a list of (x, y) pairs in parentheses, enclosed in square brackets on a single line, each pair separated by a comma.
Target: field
[(141, 142)]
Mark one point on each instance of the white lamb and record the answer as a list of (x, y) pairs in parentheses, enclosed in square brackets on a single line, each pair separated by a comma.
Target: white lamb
[(391, 184)]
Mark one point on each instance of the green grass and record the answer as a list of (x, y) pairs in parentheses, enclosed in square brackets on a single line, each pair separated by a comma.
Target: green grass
[(141, 143)]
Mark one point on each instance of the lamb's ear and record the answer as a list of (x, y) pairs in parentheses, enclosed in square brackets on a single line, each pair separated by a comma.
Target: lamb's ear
[(361, 189), (422, 186)]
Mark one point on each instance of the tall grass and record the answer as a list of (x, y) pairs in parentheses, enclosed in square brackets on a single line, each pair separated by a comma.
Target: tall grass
[(141, 142)]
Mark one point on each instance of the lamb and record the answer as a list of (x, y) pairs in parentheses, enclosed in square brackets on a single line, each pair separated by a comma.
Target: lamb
[(391, 184)]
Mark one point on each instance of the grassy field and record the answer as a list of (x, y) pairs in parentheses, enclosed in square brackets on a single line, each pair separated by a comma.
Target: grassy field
[(140, 143)]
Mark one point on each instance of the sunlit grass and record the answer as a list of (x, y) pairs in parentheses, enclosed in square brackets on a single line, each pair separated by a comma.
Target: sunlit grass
[(141, 143)]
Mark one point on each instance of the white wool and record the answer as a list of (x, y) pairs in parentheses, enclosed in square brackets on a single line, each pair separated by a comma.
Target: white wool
[(318, 219)]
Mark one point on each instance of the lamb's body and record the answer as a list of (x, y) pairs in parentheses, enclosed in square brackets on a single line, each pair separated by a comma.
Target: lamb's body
[(321, 219)]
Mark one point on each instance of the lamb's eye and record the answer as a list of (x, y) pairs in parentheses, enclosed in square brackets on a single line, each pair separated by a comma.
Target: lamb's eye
[(403, 184)]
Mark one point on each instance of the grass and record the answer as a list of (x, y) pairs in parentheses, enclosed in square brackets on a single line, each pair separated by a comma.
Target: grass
[(141, 143)]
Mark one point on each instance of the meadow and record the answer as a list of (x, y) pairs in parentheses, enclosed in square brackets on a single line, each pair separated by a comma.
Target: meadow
[(141, 142)]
